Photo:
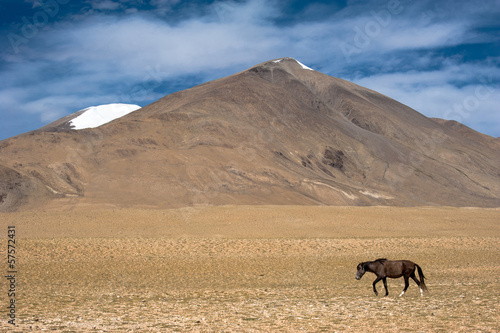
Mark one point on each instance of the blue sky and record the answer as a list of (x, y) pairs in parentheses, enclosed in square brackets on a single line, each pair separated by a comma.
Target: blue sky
[(59, 56)]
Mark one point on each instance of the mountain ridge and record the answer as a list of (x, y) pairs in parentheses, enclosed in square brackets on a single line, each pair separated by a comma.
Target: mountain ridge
[(277, 133)]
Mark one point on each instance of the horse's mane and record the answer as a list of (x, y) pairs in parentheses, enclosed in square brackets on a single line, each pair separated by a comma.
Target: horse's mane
[(381, 260)]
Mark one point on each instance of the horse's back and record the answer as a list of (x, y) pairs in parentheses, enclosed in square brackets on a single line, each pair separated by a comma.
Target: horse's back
[(398, 268)]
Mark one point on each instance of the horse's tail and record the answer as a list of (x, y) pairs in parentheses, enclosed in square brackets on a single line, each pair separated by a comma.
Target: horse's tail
[(422, 277)]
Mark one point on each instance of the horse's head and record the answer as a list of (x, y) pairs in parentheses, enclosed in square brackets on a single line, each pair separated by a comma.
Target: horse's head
[(361, 271)]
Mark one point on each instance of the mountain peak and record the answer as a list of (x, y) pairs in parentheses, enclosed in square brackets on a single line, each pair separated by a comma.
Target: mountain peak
[(287, 59), (287, 64)]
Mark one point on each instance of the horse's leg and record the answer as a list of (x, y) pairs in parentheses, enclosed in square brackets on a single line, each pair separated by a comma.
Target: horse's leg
[(407, 284), (417, 282), (374, 283), (385, 286)]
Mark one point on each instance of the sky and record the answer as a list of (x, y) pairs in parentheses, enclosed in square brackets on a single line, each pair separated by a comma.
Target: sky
[(59, 56)]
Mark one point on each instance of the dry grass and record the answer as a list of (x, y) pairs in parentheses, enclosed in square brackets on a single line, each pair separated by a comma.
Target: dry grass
[(254, 269)]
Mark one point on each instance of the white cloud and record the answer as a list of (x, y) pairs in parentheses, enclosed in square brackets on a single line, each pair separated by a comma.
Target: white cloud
[(164, 6)]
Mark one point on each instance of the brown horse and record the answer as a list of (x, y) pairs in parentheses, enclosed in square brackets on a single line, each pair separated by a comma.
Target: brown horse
[(384, 269)]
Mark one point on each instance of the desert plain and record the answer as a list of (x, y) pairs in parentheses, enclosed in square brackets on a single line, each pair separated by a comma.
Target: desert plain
[(250, 269)]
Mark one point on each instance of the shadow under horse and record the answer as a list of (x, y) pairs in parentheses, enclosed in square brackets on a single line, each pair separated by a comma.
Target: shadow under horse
[(393, 269)]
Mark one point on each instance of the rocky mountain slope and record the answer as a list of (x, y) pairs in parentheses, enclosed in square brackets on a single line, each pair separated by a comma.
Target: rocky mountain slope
[(277, 133)]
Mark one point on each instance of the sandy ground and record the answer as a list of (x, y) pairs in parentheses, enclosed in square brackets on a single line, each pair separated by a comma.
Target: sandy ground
[(251, 269)]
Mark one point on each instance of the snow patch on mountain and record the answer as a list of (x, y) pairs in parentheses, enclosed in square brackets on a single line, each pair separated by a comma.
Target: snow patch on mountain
[(301, 64), (96, 116), (304, 66)]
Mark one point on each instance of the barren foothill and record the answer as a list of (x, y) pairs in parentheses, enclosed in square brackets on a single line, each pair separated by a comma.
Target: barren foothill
[(252, 269)]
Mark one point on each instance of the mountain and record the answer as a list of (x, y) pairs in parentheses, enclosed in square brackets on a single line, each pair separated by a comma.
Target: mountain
[(277, 133)]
